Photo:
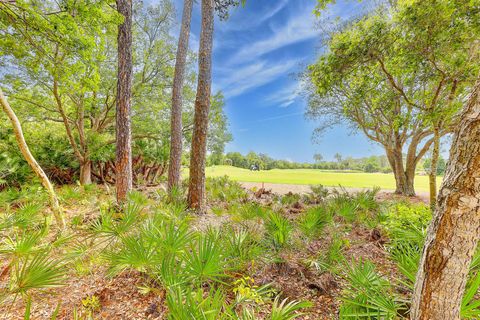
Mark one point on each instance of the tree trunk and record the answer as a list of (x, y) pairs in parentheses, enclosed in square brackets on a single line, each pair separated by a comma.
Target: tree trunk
[(196, 187), (176, 115), (86, 172), (452, 236), (404, 177), (123, 163), (433, 167), (409, 189), (22, 144)]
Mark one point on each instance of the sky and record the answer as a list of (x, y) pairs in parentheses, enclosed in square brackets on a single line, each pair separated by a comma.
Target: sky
[(258, 54)]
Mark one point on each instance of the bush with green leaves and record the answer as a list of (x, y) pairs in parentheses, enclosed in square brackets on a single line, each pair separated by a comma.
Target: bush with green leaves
[(318, 194), (402, 216), (225, 190)]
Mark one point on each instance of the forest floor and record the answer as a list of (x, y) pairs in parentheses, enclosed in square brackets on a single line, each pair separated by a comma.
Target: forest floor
[(292, 273)]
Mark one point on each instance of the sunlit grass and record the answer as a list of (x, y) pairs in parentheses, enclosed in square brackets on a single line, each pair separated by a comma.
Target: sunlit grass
[(314, 176)]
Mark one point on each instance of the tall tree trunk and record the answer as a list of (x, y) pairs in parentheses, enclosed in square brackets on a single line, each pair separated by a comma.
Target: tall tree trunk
[(175, 163), (433, 167), (196, 187), (452, 236), (123, 163), (22, 144)]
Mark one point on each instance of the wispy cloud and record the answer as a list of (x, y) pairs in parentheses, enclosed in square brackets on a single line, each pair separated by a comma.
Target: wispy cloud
[(238, 22), (299, 27), (238, 80), (282, 116), (286, 95)]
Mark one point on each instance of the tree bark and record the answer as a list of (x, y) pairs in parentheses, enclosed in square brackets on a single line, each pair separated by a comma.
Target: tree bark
[(123, 163), (452, 236), (196, 187), (176, 115), (433, 167), (22, 144), (86, 172)]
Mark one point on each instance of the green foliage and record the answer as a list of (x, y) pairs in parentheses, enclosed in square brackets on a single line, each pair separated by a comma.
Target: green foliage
[(26, 216), (319, 193), (112, 225), (314, 220), (205, 261), (246, 291), (91, 304), (225, 190), (402, 217), (284, 310), (37, 271), (329, 259), (21, 244), (290, 198), (279, 229), (193, 305), (251, 211), (343, 206), (242, 247), (368, 295), (441, 165)]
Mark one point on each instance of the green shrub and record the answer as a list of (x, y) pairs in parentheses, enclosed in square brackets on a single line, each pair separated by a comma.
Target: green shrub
[(284, 310), (332, 256), (290, 198), (313, 221), (242, 247), (279, 229), (402, 216), (225, 190), (185, 304), (368, 295), (205, 261)]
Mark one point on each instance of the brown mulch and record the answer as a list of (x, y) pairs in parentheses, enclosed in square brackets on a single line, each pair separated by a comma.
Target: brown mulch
[(119, 297)]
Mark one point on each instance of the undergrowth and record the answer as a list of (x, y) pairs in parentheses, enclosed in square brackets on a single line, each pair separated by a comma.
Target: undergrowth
[(210, 271)]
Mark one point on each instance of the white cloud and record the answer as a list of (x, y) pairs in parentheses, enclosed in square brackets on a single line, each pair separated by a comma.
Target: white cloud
[(238, 80), (238, 22), (286, 95), (299, 27)]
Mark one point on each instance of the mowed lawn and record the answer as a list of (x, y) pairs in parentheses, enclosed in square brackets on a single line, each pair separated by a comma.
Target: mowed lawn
[(314, 176)]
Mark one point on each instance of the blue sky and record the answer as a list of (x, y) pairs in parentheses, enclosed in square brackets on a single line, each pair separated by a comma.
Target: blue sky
[(257, 54)]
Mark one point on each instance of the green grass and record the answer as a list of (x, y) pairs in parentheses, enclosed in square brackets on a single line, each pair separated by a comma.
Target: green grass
[(314, 176)]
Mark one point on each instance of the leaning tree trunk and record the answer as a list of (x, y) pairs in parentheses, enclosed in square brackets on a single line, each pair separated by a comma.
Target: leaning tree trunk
[(453, 234), (196, 187), (123, 165), (176, 117), (22, 144), (433, 167)]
